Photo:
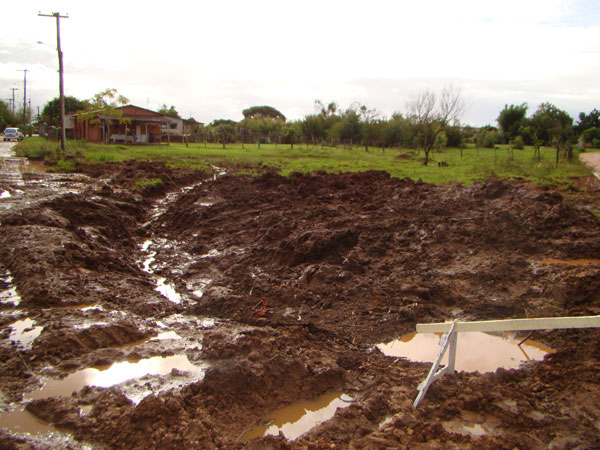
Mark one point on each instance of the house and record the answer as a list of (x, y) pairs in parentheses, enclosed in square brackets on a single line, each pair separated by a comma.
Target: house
[(135, 126)]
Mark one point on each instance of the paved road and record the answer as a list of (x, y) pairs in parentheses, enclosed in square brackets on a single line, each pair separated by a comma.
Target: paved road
[(592, 159), (6, 149)]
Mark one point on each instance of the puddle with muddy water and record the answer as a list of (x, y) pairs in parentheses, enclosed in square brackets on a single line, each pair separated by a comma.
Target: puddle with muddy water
[(21, 421), (474, 352), (299, 418), (10, 294), (24, 332), (115, 374)]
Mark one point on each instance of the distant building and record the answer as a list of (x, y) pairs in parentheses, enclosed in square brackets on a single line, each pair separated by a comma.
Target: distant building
[(135, 126)]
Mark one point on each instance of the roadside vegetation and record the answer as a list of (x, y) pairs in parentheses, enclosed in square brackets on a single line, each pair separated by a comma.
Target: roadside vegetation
[(426, 142), (446, 165)]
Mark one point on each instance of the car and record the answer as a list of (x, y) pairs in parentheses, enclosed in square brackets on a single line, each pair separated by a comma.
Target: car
[(13, 133)]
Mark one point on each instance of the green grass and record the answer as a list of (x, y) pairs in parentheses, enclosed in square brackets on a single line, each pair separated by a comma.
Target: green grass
[(475, 165), (152, 182)]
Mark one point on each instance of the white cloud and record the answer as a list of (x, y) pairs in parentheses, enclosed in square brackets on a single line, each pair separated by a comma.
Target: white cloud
[(213, 59)]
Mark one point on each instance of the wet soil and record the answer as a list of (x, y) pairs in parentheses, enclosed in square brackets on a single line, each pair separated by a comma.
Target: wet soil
[(285, 288)]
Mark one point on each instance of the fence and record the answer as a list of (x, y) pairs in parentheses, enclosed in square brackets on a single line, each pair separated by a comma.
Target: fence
[(451, 330)]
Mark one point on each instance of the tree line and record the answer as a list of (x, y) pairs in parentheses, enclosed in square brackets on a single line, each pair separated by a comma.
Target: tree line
[(431, 121)]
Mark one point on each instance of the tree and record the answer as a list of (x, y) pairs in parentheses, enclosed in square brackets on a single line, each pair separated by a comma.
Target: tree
[(510, 119), (587, 121), (429, 115), (7, 118), (313, 129), (263, 112), (396, 131), (350, 127), (369, 127), (103, 108), (172, 112), (224, 130), (51, 112), (553, 126)]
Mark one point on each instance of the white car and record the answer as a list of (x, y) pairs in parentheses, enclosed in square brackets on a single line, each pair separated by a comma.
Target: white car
[(13, 133)]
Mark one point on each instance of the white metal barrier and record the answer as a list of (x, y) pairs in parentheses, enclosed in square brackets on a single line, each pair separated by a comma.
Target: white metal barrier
[(449, 340)]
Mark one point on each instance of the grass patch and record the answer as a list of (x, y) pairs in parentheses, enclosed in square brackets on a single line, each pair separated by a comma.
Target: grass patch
[(153, 182), (446, 166)]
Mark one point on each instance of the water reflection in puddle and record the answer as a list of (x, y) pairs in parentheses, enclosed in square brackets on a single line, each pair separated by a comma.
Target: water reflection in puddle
[(10, 295), (21, 421), (475, 351), (24, 333), (167, 290), (299, 418), (115, 374), (166, 335), (5, 194), (469, 429)]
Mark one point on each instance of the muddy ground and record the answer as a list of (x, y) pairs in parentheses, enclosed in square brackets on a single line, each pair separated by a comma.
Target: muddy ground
[(280, 288)]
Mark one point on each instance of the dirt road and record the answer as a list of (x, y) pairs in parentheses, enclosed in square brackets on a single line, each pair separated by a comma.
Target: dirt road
[(254, 294), (6, 149), (592, 159)]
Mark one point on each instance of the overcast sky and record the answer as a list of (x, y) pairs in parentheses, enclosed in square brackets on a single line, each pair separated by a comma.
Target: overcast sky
[(213, 59)]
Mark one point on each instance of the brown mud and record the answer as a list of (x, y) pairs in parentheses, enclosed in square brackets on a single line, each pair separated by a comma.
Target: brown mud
[(285, 286)]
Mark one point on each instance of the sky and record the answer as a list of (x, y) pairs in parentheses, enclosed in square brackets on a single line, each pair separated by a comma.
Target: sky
[(211, 60)]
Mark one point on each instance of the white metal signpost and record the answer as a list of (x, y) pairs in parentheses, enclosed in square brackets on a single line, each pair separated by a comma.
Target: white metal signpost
[(449, 340)]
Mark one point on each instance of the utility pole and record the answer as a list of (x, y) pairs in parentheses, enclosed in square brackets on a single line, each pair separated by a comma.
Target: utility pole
[(24, 95), (13, 99), (63, 136)]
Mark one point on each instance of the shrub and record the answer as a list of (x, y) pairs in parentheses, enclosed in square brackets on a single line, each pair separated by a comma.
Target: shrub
[(518, 143)]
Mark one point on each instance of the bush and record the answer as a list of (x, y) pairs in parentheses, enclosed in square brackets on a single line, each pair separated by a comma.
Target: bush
[(487, 139), (518, 143)]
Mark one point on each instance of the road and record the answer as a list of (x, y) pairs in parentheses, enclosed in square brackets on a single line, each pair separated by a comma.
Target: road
[(6, 149), (592, 159)]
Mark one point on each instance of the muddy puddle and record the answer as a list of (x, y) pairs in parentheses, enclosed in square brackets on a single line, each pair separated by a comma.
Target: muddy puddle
[(476, 351), (24, 332), (115, 374), (299, 418), (21, 421), (9, 295)]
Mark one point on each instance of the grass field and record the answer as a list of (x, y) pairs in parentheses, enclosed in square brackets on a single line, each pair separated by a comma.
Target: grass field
[(445, 166)]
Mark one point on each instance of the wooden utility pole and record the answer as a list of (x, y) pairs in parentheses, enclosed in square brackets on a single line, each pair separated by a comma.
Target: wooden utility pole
[(24, 95), (63, 136), (13, 99)]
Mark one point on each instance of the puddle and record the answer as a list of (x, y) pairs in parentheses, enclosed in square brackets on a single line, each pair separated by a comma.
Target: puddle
[(167, 290), (571, 262), (471, 429), (89, 324), (475, 351), (166, 335), (299, 418), (115, 374), (5, 194), (24, 333), (199, 286), (10, 295), (21, 421), (85, 410), (151, 256), (83, 308)]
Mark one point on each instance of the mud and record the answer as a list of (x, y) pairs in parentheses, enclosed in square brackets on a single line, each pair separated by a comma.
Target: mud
[(285, 287)]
